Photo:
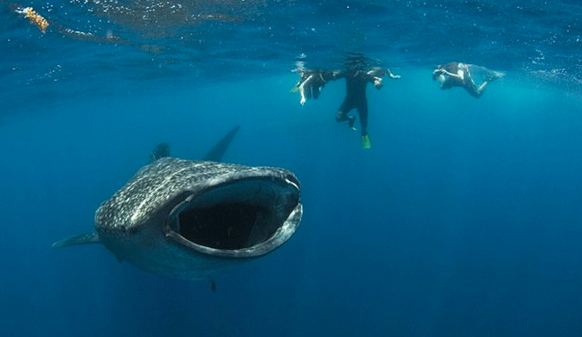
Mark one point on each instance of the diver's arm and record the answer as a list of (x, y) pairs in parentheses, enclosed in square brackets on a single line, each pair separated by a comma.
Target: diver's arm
[(460, 74), (334, 75), (378, 79), (391, 74), (377, 82)]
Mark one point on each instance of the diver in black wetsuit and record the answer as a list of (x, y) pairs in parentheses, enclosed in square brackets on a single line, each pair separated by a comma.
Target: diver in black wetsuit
[(356, 83), (357, 77)]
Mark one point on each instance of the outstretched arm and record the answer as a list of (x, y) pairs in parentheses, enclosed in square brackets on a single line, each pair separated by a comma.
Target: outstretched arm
[(378, 73), (459, 75), (389, 73), (332, 75)]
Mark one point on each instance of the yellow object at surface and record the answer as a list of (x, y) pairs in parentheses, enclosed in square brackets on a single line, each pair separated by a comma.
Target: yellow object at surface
[(35, 18)]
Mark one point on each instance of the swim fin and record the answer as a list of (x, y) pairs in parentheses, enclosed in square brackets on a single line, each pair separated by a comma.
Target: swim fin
[(366, 142), (494, 75)]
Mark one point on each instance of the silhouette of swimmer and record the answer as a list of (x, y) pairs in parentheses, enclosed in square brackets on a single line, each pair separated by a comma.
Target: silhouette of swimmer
[(457, 74), (357, 76)]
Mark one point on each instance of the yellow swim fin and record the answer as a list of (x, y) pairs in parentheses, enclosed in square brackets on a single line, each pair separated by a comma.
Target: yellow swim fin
[(366, 145)]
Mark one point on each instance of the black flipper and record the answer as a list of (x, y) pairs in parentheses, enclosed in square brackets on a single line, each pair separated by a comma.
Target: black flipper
[(216, 153)]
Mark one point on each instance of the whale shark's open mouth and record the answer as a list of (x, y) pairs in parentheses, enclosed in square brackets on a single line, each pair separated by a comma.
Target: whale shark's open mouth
[(242, 218)]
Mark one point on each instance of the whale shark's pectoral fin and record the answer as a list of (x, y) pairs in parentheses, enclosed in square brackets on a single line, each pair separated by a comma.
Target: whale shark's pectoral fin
[(80, 239)]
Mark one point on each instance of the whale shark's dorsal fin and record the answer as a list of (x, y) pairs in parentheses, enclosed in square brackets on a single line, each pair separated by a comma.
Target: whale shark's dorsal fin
[(162, 150), (80, 239), (216, 153)]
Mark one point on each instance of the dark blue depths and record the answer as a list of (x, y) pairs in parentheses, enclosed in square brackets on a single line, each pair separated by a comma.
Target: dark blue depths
[(463, 219)]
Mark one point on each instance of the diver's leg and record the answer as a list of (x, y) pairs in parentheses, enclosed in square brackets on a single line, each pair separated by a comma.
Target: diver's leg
[(363, 112), (481, 88), (342, 114), (472, 89), (494, 75), (475, 91), (315, 91)]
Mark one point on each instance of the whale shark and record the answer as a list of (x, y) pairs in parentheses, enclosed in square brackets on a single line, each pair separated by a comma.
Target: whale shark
[(196, 219)]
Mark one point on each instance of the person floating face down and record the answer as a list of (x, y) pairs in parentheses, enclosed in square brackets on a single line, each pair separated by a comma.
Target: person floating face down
[(456, 74), (312, 81)]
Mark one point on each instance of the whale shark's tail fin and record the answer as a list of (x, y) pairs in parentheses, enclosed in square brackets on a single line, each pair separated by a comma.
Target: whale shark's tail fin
[(80, 239), (216, 153)]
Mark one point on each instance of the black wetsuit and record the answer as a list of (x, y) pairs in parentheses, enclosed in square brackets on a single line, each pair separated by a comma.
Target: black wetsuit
[(356, 82)]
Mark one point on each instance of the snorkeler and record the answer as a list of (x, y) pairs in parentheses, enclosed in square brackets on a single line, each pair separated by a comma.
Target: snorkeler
[(457, 74), (310, 83), (356, 82), (357, 77)]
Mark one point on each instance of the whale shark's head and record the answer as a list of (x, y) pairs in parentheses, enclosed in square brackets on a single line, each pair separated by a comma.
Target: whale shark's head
[(243, 214), (191, 219)]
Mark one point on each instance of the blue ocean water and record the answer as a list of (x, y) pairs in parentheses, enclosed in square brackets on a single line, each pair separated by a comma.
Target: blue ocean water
[(464, 219)]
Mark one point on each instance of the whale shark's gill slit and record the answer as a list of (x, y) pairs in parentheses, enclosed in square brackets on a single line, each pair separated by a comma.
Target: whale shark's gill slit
[(237, 215)]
